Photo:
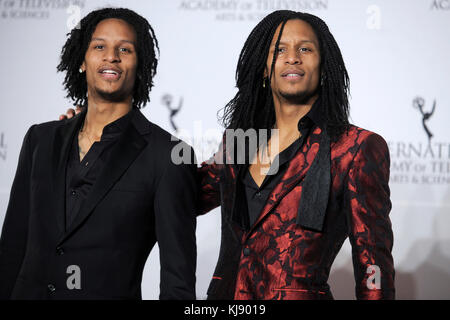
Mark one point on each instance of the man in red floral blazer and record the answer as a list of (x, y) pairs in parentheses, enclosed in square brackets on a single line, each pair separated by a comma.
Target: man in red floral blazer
[(285, 219)]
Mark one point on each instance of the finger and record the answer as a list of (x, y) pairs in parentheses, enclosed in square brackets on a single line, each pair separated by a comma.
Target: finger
[(70, 113), (78, 109), (62, 117)]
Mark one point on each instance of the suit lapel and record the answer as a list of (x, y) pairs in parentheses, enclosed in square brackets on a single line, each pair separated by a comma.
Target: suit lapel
[(61, 148), (238, 204), (295, 173), (124, 152)]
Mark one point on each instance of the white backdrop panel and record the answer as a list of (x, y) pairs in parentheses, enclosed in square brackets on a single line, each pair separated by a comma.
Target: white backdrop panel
[(395, 51)]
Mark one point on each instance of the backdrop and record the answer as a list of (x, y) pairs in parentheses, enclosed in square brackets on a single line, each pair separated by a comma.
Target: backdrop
[(397, 56)]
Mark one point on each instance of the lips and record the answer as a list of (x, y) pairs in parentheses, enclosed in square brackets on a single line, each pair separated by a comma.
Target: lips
[(110, 73), (293, 74)]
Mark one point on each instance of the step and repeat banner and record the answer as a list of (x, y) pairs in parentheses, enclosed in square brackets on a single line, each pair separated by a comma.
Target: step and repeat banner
[(397, 55)]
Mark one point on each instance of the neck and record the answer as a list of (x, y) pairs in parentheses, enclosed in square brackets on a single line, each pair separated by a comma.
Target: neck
[(100, 113), (289, 114)]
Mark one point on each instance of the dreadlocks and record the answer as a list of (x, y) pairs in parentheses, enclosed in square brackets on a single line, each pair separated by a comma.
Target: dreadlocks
[(253, 107), (74, 50)]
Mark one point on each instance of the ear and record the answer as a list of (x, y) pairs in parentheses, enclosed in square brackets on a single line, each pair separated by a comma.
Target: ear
[(266, 73), (83, 66)]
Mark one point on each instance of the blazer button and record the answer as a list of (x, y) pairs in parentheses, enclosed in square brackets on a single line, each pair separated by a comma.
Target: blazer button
[(51, 288), (246, 251), (59, 251)]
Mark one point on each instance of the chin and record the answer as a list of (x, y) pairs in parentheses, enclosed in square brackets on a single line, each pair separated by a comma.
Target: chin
[(112, 95), (298, 97)]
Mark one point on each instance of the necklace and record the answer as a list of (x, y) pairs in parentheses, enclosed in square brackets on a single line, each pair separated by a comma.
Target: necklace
[(87, 135), (82, 150)]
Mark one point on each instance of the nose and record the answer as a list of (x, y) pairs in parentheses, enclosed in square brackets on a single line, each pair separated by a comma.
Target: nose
[(293, 57), (111, 55)]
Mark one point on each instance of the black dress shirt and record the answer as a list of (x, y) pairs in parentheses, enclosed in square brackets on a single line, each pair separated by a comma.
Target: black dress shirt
[(255, 196), (81, 176)]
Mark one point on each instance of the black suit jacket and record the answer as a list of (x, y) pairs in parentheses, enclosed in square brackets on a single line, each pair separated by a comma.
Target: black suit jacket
[(140, 197)]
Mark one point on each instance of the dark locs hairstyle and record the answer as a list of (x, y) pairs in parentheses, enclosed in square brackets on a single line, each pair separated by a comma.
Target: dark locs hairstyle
[(252, 107), (74, 50)]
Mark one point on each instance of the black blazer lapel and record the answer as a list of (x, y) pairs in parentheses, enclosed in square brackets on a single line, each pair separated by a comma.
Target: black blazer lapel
[(125, 151), (316, 188), (61, 148)]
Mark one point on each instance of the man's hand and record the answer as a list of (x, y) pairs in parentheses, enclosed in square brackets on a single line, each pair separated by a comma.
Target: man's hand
[(70, 113)]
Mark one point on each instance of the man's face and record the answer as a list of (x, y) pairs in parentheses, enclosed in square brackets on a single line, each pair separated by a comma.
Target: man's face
[(111, 61), (296, 72)]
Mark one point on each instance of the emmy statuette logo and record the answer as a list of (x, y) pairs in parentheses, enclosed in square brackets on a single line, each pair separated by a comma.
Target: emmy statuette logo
[(168, 101), (419, 103)]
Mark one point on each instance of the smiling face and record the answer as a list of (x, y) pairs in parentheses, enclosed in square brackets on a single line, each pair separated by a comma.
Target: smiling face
[(296, 72), (111, 61)]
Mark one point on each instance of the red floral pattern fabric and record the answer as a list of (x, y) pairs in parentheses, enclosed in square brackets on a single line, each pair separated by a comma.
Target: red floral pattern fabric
[(279, 259)]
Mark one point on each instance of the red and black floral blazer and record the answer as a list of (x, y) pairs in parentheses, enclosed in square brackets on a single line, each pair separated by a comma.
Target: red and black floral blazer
[(278, 258)]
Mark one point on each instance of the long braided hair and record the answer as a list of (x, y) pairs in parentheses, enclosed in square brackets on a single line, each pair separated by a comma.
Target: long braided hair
[(74, 50), (253, 107)]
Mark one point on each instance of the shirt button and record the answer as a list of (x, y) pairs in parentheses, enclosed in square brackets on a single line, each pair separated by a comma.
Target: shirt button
[(246, 251), (51, 288), (73, 192), (59, 251), (258, 194)]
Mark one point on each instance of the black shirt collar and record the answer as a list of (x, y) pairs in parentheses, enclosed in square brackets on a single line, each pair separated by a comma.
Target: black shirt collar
[(314, 117), (114, 128), (118, 126)]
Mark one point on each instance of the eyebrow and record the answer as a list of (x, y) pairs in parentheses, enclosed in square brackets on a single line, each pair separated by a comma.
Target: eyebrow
[(101, 39)]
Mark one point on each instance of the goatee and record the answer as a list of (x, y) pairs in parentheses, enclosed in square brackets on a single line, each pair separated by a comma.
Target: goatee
[(301, 97), (117, 96)]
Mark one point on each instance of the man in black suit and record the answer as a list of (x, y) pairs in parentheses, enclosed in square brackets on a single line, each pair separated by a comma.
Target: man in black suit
[(93, 194)]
